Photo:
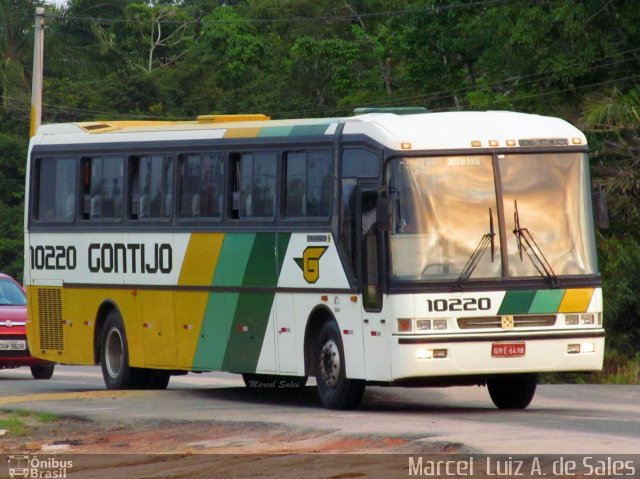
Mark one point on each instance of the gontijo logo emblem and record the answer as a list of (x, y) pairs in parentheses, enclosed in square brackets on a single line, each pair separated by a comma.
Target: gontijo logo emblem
[(310, 263)]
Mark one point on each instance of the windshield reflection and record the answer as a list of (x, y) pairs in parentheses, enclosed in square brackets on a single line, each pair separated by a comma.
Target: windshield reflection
[(441, 209)]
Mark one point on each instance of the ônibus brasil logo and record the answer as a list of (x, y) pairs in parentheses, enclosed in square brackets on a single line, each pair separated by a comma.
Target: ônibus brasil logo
[(35, 467)]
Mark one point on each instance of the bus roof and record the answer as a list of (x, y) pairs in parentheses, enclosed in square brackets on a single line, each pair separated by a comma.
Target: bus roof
[(422, 131)]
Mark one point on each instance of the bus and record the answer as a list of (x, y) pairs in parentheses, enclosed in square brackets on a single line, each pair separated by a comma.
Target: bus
[(419, 249)]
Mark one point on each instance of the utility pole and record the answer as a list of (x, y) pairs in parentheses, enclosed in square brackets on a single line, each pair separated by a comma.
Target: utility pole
[(36, 81)]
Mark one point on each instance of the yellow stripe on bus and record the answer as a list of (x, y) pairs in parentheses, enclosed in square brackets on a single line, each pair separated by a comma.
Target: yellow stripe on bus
[(576, 300), (200, 259)]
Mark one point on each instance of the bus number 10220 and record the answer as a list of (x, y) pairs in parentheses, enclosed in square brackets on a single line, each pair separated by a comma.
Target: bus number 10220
[(459, 304), (53, 257)]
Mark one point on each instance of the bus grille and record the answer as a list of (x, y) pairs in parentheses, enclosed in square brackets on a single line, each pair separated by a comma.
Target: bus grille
[(521, 321), (50, 318)]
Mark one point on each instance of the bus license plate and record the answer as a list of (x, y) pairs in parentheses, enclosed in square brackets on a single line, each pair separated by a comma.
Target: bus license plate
[(508, 350), (13, 345)]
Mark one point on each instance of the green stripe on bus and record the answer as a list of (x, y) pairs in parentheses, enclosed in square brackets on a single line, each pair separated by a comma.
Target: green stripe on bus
[(272, 131), (253, 308), (214, 334), (309, 130), (547, 301), (234, 257), (516, 302), (211, 352)]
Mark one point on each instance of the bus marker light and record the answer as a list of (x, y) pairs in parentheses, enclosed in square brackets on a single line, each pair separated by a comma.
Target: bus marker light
[(376, 333), (587, 319), (188, 327), (576, 141), (424, 354), (146, 325), (493, 143), (423, 324), (324, 298), (243, 328), (347, 331), (405, 146), (354, 299), (439, 353), (511, 142), (439, 324), (134, 292), (571, 319), (573, 348), (476, 143), (405, 326)]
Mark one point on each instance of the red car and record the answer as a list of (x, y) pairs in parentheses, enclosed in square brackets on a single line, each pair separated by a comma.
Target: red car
[(14, 351)]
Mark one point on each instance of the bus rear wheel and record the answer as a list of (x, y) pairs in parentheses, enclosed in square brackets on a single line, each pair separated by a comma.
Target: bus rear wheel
[(512, 391), (336, 391), (114, 356)]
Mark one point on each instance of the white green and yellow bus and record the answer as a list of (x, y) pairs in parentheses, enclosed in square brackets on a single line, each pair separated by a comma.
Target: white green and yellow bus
[(421, 249)]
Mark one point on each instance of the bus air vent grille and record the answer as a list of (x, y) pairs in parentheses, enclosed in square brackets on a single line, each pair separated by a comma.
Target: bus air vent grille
[(520, 321), (50, 318)]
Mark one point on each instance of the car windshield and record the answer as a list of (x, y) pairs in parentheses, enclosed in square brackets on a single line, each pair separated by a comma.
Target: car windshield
[(11, 294), (445, 223)]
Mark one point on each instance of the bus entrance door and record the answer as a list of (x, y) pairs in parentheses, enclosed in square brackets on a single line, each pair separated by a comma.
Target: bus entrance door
[(375, 323)]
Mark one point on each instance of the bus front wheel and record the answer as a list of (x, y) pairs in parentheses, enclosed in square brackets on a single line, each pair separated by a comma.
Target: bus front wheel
[(114, 355), (336, 391), (512, 391)]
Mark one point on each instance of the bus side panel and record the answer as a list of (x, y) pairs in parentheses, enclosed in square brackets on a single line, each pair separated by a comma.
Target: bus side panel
[(127, 303), (78, 328)]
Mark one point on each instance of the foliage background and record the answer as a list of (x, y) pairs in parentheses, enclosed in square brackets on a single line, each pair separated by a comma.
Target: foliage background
[(164, 59)]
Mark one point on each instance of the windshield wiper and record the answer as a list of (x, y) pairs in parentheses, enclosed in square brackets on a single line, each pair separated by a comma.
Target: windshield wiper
[(528, 243), (486, 241)]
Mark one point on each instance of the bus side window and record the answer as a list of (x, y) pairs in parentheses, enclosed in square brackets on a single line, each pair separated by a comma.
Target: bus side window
[(201, 185), (254, 185), (307, 187), (151, 187), (360, 163), (102, 180), (56, 190)]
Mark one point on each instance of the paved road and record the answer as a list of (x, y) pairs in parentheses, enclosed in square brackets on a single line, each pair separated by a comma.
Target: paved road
[(563, 419)]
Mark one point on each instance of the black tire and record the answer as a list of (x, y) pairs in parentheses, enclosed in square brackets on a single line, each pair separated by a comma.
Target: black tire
[(114, 356), (42, 371), (153, 378), (512, 391), (336, 391)]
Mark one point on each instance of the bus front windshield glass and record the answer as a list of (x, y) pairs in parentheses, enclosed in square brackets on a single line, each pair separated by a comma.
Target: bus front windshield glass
[(445, 217)]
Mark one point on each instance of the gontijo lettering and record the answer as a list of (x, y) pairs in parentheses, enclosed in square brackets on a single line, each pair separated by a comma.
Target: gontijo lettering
[(130, 258)]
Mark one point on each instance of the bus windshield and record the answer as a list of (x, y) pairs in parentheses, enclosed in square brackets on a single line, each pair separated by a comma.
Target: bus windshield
[(445, 222)]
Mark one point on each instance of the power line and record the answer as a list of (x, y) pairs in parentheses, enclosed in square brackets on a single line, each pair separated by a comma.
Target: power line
[(345, 18)]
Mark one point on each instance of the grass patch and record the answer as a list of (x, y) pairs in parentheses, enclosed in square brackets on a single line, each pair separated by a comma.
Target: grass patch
[(21, 422), (14, 425)]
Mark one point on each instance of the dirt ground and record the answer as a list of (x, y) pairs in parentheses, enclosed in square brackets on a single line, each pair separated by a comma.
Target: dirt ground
[(163, 449)]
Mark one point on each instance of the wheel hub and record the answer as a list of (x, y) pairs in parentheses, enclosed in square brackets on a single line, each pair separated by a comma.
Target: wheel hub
[(330, 363), (114, 353)]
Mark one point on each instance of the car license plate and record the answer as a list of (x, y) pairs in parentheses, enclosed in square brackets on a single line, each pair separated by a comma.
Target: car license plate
[(15, 345), (508, 350)]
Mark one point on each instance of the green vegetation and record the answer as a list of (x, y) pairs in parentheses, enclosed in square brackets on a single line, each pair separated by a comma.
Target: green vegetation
[(20, 422), (164, 59)]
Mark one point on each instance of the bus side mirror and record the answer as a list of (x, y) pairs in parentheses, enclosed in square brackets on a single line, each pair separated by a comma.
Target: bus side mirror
[(383, 218), (600, 208)]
